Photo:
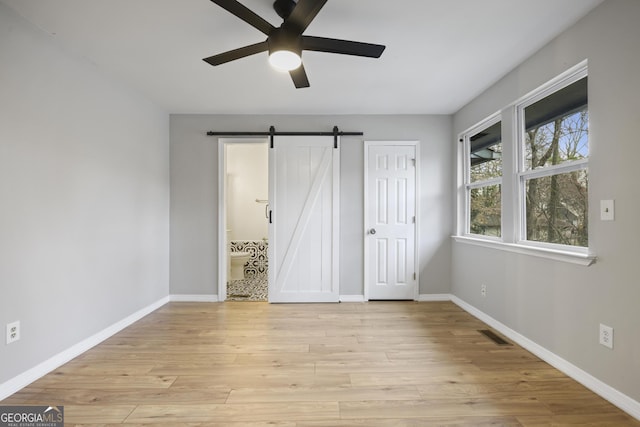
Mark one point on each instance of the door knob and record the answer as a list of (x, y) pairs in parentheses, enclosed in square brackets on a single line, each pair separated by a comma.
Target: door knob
[(372, 231)]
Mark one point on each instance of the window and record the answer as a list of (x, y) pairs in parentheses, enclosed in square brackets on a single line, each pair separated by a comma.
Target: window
[(523, 174), (553, 164), (483, 179)]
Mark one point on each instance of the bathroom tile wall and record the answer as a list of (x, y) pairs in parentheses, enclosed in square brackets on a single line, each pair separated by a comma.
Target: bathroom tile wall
[(258, 263)]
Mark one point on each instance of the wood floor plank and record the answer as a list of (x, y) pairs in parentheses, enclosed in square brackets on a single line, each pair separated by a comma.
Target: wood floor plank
[(250, 371), (263, 380), (143, 347), (252, 412), (68, 381), (123, 396), (262, 333), (379, 370), (316, 365), (27, 396), (83, 414), (290, 339), (323, 394), (107, 360), (86, 368), (443, 408), (435, 377), (420, 422), (458, 388), (317, 358)]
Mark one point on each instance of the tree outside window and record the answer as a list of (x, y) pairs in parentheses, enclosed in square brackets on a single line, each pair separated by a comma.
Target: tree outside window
[(484, 179), (555, 174)]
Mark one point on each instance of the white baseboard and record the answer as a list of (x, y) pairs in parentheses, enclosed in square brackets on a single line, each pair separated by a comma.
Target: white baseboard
[(19, 382), (421, 297), (434, 297), (193, 298), (619, 399), (351, 298)]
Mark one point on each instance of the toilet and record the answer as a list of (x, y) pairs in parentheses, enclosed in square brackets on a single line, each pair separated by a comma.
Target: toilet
[(238, 261)]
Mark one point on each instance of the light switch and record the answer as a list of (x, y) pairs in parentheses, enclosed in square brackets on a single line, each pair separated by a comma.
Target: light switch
[(606, 210)]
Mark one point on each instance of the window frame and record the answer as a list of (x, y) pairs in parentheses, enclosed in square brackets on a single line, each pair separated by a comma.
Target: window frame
[(513, 201), (468, 186), (523, 175)]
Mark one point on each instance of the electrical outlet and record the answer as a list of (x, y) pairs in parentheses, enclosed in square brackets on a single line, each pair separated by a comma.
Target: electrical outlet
[(13, 332), (483, 290), (606, 336)]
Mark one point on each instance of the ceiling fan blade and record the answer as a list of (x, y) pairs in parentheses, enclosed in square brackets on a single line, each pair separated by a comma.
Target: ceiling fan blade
[(299, 77), (303, 14), (244, 13), (345, 47), (237, 53)]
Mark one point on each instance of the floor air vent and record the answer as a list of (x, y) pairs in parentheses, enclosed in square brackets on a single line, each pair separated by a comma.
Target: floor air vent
[(494, 337)]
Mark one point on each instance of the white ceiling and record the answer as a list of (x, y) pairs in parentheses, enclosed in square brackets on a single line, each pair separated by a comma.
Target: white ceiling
[(440, 53)]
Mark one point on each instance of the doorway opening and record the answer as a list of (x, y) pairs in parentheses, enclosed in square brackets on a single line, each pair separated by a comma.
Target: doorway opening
[(244, 221)]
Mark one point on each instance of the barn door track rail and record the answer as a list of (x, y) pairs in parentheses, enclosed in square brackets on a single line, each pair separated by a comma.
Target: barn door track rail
[(272, 133)]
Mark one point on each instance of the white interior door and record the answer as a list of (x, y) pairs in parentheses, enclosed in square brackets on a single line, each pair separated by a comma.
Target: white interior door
[(303, 233), (390, 220)]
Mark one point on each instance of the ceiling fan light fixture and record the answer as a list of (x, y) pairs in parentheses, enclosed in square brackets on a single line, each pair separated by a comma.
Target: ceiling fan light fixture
[(284, 60)]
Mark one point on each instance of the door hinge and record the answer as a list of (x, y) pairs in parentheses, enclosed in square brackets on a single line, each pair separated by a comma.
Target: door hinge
[(413, 219), (414, 162), (414, 276)]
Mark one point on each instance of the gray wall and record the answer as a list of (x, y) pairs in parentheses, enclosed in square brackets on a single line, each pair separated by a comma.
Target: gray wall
[(84, 188), (555, 304), (194, 193)]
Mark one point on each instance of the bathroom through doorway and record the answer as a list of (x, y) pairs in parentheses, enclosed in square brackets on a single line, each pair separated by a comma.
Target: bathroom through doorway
[(244, 219)]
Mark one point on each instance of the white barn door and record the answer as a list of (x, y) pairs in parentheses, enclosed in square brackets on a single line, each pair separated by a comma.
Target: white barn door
[(390, 220), (303, 230)]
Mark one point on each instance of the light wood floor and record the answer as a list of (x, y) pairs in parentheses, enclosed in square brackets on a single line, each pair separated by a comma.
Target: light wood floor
[(368, 364)]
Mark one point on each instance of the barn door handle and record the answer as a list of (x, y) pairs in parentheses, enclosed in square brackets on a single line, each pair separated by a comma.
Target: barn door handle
[(372, 231)]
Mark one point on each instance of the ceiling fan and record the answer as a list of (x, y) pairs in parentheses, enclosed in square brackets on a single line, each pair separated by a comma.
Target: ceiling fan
[(286, 42)]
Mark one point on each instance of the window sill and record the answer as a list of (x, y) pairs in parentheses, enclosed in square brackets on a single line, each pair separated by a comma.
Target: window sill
[(556, 255)]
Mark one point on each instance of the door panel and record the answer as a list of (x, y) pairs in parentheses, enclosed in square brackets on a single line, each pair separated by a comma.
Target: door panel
[(390, 214), (303, 193), (381, 260)]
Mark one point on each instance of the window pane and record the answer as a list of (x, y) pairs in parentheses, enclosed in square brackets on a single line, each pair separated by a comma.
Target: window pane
[(485, 213), (557, 127), (486, 153), (557, 209)]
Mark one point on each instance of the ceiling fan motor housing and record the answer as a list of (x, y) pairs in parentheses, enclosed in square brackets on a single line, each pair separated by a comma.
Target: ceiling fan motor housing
[(280, 39)]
